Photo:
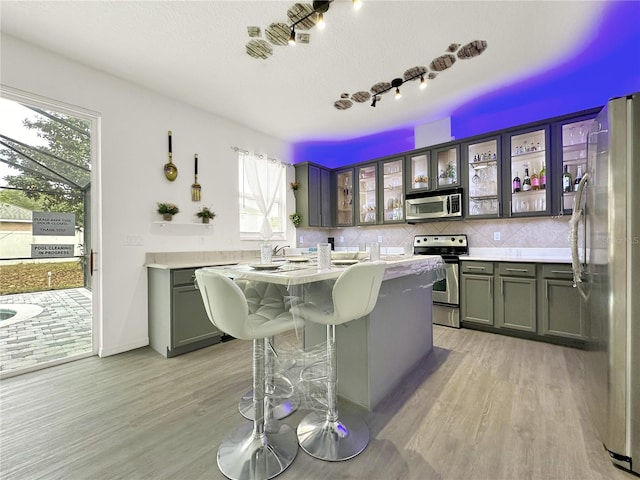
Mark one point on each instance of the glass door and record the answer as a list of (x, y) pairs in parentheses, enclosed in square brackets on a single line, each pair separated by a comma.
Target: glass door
[(528, 167), (574, 159), (483, 178), (419, 171), (344, 198), (447, 163), (367, 195), (392, 191)]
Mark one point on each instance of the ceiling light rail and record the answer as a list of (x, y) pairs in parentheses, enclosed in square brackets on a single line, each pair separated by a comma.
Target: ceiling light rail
[(439, 64)]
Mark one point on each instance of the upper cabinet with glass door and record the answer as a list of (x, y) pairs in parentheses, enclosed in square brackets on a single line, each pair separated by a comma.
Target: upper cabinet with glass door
[(483, 167), (344, 198), (574, 158), (447, 166), (367, 197), (528, 171), (419, 171), (392, 197)]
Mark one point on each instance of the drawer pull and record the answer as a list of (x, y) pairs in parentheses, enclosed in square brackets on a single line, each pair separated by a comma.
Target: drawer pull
[(516, 270), (563, 272), (471, 267)]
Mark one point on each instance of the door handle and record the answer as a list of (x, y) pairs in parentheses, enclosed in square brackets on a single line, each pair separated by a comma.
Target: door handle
[(91, 262), (516, 269)]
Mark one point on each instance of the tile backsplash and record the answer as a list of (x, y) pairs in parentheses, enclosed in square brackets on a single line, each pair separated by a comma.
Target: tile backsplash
[(532, 232)]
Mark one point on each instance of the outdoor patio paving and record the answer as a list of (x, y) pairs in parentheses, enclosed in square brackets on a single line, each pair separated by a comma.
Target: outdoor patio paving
[(62, 329)]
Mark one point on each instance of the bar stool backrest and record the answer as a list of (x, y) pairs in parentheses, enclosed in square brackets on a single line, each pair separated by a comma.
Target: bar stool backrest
[(224, 303), (355, 293)]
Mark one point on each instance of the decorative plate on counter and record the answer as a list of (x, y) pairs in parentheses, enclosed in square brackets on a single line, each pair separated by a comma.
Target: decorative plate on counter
[(265, 266), (344, 262), (298, 259)]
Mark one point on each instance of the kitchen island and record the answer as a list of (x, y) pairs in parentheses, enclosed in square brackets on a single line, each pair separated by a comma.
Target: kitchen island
[(374, 352)]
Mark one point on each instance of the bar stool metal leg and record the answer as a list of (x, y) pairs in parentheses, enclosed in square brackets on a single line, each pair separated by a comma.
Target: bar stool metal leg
[(280, 407), (322, 434), (251, 452)]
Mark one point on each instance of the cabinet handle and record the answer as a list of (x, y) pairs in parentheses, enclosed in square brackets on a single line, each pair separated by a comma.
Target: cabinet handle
[(516, 270), (510, 209), (471, 267), (490, 289), (502, 288), (563, 272)]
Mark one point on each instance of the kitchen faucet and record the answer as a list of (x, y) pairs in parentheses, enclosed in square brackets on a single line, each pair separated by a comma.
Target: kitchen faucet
[(277, 249)]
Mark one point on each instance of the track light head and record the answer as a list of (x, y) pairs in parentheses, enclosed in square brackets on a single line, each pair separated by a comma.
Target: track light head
[(375, 100), (423, 84), (292, 37), (395, 83), (320, 22), (357, 4)]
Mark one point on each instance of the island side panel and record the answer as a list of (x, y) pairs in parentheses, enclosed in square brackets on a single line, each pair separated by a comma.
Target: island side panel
[(400, 333)]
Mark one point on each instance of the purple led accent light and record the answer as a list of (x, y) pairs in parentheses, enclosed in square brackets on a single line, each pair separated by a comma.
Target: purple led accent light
[(606, 67), (335, 154)]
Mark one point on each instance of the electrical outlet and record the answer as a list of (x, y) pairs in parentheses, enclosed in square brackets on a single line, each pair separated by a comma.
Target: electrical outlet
[(379, 238), (496, 236), (341, 239), (131, 240), (301, 239)]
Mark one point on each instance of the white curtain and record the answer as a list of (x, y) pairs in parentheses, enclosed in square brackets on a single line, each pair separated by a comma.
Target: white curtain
[(264, 177)]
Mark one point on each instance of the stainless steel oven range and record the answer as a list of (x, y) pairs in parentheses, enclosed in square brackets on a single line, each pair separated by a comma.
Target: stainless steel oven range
[(446, 292)]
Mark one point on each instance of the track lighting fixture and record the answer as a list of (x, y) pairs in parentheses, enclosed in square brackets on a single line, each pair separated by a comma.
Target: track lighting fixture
[(395, 83), (437, 65), (292, 37), (320, 23)]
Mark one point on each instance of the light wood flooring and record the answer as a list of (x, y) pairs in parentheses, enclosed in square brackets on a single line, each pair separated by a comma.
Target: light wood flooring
[(481, 406)]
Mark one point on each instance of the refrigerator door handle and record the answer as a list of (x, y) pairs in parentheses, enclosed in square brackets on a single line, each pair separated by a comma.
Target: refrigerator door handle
[(575, 220)]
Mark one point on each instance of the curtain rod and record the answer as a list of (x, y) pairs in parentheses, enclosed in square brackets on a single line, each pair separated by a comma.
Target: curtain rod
[(259, 155)]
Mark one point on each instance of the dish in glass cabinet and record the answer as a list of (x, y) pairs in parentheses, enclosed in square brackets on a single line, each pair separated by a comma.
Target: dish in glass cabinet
[(265, 266), (298, 259), (344, 262)]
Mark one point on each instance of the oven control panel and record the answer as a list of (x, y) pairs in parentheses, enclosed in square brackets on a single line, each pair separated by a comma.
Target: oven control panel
[(440, 244)]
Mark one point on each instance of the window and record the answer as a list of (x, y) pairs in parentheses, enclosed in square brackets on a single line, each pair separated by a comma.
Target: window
[(262, 197)]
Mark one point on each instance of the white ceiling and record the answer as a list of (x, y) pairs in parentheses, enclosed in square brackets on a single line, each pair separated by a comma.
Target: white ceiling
[(195, 51)]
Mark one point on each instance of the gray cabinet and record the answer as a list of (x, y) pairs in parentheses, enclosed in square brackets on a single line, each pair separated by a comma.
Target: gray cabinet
[(178, 322), (526, 299), (516, 300), (476, 291), (313, 197), (560, 303)]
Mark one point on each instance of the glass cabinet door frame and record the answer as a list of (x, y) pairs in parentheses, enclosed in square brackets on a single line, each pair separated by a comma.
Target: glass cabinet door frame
[(339, 213), (409, 174), (508, 174), (436, 171), (558, 161), (398, 198), (358, 193), (467, 177)]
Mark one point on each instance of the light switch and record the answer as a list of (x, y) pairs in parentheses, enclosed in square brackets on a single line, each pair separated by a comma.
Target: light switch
[(496, 236)]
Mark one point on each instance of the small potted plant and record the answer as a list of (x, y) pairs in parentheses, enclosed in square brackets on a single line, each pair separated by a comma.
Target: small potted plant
[(295, 185), (448, 175), (205, 214), (296, 219), (167, 210), (420, 181)]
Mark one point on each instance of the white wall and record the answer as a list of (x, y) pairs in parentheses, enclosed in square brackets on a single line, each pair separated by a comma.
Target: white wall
[(133, 136)]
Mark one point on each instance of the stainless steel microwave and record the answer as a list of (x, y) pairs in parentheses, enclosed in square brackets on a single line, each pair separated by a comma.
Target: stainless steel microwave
[(433, 205)]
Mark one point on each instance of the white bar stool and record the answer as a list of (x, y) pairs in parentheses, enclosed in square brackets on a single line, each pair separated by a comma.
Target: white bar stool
[(261, 296), (251, 451), (322, 434)]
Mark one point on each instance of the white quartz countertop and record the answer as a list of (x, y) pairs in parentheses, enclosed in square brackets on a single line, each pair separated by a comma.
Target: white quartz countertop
[(534, 255)]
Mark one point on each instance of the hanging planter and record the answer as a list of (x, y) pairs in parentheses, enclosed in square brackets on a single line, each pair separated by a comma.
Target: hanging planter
[(296, 219)]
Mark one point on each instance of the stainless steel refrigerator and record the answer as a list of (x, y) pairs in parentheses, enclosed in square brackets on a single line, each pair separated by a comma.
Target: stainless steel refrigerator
[(606, 261)]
